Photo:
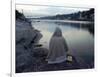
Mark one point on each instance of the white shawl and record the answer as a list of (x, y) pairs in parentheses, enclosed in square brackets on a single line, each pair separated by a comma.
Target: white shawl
[(57, 48)]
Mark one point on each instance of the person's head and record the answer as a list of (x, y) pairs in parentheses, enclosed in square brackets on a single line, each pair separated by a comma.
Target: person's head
[(57, 32)]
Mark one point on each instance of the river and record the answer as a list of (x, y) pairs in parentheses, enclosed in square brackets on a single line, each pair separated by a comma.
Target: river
[(80, 41)]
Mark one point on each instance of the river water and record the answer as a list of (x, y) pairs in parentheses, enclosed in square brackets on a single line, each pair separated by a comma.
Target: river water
[(79, 40)]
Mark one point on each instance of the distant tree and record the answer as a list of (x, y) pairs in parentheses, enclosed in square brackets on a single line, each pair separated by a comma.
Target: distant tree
[(19, 15), (80, 15)]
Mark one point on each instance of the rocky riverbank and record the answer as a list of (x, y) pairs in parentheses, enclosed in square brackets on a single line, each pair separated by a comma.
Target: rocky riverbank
[(26, 40), (30, 56)]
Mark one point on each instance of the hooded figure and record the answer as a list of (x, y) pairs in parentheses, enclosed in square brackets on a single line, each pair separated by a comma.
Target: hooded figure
[(57, 48)]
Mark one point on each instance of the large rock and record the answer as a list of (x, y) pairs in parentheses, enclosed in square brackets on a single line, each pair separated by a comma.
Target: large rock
[(26, 37)]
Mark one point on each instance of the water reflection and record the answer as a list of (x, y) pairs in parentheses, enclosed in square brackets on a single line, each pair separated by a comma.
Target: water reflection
[(78, 37)]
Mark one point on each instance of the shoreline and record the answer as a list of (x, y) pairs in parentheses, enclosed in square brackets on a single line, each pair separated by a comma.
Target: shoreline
[(65, 21)]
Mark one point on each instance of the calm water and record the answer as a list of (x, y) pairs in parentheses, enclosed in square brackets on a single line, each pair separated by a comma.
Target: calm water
[(80, 41)]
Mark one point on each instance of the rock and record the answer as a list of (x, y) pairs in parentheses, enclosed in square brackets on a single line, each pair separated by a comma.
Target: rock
[(26, 37), (66, 65), (40, 52)]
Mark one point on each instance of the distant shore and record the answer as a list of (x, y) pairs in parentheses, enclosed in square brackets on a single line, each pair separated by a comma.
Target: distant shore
[(65, 21)]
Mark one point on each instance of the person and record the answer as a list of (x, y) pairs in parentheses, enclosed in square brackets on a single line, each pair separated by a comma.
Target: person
[(57, 48)]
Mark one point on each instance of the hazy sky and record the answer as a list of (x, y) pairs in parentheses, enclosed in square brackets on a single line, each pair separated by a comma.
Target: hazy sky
[(40, 11)]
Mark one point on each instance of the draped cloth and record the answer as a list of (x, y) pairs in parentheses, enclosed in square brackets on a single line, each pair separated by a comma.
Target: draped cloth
[(57, 48)]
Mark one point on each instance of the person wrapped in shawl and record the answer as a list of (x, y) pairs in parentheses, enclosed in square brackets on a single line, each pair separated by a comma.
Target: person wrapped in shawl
[(57, 48)]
